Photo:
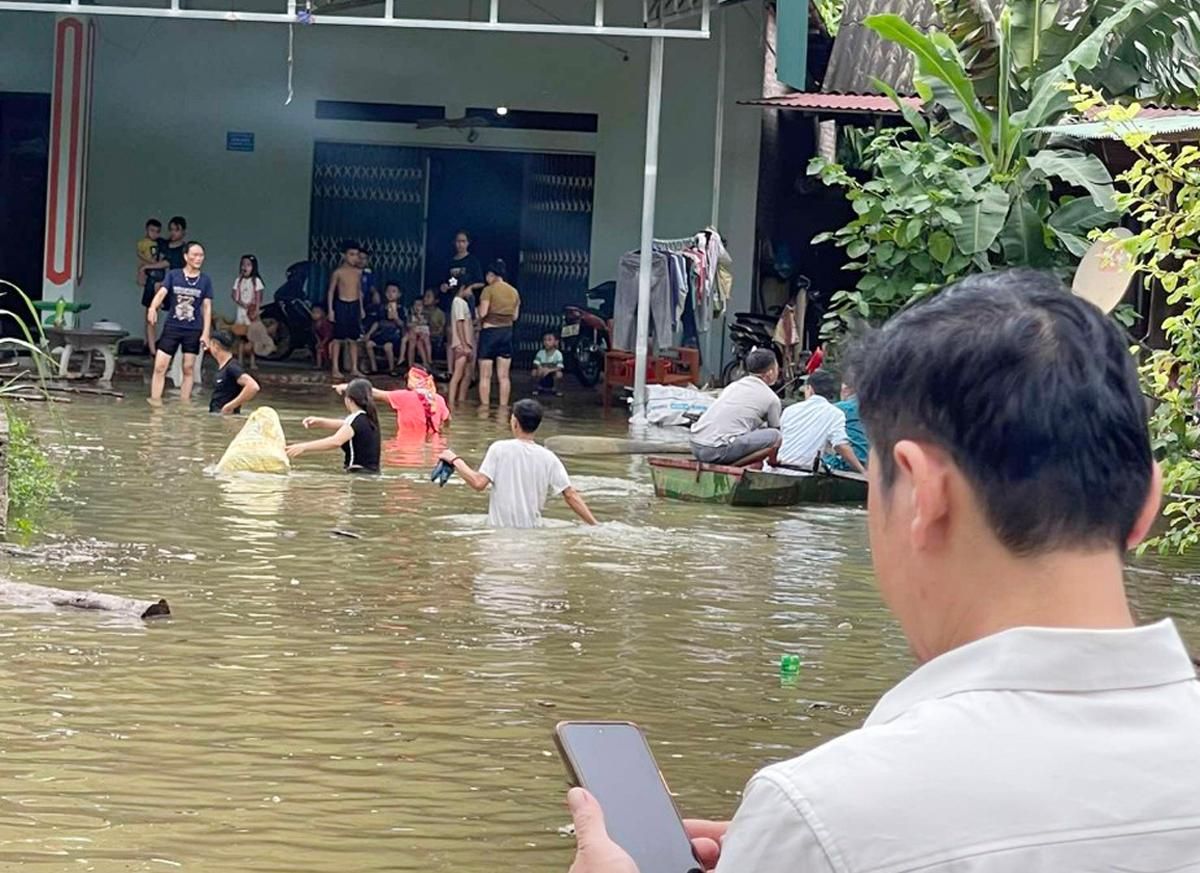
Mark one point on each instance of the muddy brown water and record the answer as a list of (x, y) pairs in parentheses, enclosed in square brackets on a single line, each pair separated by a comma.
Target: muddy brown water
[(326, 704)]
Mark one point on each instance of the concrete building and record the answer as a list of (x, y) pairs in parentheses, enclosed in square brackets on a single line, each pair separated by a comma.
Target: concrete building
[(173, 100)]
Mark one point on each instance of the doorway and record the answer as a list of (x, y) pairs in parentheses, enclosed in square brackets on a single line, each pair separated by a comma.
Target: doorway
[(24, 162), (532, 210), (475, 191)]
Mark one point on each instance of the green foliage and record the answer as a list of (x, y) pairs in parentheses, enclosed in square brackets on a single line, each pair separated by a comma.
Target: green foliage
[(830, 13), (33, 479), (27, 343), (1162, 191), (975, 184)]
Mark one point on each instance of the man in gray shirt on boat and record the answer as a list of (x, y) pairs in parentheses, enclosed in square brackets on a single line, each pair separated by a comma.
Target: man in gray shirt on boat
[(742, 426)]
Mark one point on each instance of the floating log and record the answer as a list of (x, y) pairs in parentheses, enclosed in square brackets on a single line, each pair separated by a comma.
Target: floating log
[(26, 594), (27, 380)]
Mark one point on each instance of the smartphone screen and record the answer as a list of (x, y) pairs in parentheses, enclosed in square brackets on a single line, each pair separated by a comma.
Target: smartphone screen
[(613, 761)]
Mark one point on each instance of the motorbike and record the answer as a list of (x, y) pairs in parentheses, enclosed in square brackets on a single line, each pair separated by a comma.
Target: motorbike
[(288, 318), (584, 334), (751, 330)]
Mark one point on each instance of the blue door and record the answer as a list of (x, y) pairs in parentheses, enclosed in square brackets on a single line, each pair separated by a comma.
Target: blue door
[(374, 195)]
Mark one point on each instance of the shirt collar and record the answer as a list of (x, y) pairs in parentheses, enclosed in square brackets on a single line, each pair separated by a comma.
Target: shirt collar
[(1048, 660)]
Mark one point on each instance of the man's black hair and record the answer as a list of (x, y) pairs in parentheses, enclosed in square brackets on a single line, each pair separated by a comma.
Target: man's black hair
[(153, 222), (222, 338), (528, 414), (759, 361), (1033, 393), (347, 245), (179, 221), (825, 384)]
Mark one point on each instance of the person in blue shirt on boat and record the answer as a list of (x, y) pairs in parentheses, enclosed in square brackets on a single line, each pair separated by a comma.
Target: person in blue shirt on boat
[(742, 425), (855, 432), (814, 424)]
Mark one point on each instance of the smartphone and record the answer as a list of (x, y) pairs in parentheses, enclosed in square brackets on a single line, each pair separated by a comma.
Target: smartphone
[(612, 760)]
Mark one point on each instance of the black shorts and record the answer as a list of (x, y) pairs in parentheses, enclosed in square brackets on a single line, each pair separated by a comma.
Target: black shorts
[(495, 342), (347, 324), (387, 336), (175, 337), (153, 277)]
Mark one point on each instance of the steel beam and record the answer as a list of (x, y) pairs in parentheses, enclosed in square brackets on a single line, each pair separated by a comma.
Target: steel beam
[(649, 195), (358, 21)]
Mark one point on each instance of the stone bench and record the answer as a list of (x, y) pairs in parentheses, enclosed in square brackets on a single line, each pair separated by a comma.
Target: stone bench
[(66, 341)]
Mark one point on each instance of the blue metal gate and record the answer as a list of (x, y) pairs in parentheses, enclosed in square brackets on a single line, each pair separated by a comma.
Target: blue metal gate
[(374, 195)]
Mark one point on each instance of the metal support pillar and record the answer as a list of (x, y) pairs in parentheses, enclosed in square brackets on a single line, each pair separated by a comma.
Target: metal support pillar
[(718, 156), (649, 192)]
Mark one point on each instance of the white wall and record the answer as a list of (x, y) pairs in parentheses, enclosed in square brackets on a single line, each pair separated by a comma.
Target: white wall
[(166, 93)]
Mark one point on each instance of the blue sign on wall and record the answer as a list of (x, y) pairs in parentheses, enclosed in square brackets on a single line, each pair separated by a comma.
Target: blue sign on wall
[(239, 141)]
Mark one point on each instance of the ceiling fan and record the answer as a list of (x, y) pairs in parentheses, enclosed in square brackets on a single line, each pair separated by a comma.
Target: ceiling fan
[(466, 122)]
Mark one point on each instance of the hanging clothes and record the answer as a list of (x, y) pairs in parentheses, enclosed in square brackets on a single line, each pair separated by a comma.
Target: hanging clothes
[(662, 304), (691, 283)]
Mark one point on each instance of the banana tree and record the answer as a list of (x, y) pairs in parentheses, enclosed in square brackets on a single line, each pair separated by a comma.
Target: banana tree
[(1013, 215)]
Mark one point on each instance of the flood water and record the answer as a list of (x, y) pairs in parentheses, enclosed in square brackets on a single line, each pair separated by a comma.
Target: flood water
[(324, 703)]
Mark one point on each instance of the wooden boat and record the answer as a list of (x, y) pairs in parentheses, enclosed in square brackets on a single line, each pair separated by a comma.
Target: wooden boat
[(681, 479)]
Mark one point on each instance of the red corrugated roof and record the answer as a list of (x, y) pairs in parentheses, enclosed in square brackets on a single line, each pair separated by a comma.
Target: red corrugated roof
[(869, 103), (879, 104)]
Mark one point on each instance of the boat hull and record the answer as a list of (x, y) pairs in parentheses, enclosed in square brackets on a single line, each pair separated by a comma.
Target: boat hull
[(694, 482)]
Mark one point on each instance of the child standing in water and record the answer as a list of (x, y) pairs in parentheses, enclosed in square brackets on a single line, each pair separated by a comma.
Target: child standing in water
[(346, 309), (247, 296)]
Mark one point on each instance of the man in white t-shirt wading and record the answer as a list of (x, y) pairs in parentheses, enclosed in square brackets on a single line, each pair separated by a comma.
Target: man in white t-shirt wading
[(521, 474)]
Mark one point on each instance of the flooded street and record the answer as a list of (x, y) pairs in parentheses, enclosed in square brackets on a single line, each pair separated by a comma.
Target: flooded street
[(325, 703)]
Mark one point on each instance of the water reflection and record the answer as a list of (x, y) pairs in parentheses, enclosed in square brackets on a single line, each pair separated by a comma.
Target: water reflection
[(327, 703)]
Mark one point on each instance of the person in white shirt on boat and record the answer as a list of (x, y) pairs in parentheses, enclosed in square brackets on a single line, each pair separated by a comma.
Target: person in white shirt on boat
[(1043, 729), (814, 424), (742, 425)]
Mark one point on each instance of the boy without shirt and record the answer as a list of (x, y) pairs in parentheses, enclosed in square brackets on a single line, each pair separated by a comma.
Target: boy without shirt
[(346, 311)]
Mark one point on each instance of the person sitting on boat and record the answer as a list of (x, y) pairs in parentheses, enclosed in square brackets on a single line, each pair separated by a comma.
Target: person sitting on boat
[(814, 423), (742, 425), (855, 431)]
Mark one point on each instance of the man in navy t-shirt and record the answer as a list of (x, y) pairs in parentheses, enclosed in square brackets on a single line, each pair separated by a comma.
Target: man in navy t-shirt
[(188, 294)]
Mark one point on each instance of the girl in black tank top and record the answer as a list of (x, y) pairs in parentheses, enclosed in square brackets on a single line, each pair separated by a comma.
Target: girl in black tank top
[(357, 435)]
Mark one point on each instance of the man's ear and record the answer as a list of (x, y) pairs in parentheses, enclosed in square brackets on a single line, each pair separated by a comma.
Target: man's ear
[(1150, 509), (926, 475)]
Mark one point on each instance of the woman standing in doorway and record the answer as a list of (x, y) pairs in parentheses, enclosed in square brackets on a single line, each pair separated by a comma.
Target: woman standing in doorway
[(463, 270), (498, 312), (462, 273), (188, 294)]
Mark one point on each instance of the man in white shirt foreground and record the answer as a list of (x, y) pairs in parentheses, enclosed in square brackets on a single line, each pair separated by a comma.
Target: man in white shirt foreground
[(814, 423), (1010, 471), (521, 474)]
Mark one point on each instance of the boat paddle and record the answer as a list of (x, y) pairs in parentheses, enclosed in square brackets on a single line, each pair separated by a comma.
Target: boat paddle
[(593, 445)]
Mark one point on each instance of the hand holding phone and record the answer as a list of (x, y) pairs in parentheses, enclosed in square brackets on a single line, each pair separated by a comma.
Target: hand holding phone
[(612, 760)]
